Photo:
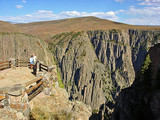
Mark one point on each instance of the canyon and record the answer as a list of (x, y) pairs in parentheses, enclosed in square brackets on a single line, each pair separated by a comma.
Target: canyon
[(96, 65), (98, 60)]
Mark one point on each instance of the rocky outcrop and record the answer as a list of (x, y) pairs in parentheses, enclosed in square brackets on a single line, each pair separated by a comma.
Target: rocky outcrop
[(96, 65), (58, 107), (21, 46), (11, 114), (141, 100)]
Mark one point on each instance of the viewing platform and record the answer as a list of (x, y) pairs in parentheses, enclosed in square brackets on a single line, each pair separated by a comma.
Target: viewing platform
[(19, 84), (20, 75)]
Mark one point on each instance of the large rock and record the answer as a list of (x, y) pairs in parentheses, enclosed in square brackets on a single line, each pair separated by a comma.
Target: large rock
[(16, 90)]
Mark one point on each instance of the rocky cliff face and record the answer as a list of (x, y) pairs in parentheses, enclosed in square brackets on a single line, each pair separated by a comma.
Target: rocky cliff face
[(141, 100), (21, 46), (96, 65), (83, 74)]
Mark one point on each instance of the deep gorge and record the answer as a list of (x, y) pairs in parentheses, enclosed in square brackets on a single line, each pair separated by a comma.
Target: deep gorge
[(96, 65)]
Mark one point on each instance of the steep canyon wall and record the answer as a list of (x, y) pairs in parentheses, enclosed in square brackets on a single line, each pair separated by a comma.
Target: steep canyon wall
[(96, 65)]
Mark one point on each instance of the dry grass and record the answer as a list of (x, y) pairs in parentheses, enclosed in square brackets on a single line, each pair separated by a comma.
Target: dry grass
[(55, 107), (38, 113)]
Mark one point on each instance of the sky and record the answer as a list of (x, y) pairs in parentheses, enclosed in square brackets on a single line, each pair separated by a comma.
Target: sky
[(135, 12)]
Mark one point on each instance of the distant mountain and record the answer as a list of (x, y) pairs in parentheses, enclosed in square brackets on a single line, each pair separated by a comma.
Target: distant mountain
[(13, 22), (47, 29), (8, 27)]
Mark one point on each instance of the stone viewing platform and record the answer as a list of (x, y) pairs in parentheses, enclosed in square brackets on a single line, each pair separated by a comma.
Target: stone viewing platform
[(20, 75)]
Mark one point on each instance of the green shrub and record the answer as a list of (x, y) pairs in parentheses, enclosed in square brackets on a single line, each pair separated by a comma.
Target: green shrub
[(83, 54), (95, 111), (59, 80), (58, 75), (146, 64), (75, 35)]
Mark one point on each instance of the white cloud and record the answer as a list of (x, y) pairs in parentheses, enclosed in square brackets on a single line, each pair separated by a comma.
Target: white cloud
[(145, 2), (43, 15), (119, 11), (150, 2), (144, 16), (106, 15), (19, 6), (24, 1), (143, 21), (146, 11)]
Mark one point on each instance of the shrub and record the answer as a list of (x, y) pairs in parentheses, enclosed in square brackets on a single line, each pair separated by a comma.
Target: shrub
[(146, 64), (58, 75), (59, 80), (42, 114)]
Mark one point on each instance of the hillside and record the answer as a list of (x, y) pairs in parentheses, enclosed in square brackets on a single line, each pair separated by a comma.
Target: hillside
[(21, 46), (47, 29), (7, 27)]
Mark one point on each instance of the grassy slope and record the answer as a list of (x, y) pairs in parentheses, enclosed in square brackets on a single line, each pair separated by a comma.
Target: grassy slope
[(7, 27), (47, 29)]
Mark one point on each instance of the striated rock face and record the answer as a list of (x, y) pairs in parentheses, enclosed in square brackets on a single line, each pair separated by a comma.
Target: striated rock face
[(113, 50), (141, 100), (141, 41), (21, 46), (96, 65), (83, 75)]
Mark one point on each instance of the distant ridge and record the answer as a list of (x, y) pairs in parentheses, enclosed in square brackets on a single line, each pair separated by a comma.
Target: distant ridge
[(46, 29), (12, 22), (8, 27)]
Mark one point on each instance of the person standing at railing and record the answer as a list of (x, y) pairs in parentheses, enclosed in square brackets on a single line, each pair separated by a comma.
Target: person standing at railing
[(31, 61), (34, 64)]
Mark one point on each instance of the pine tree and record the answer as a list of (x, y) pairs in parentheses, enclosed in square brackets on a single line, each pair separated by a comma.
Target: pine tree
[(147, 71)]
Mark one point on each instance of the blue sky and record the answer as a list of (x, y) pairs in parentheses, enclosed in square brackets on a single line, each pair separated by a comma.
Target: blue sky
[(137, 12)]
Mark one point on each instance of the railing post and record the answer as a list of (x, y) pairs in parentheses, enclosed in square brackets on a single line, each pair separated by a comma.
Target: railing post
[(17, 63), (13, 63), (10, 64), (40, 67), (37, 67)]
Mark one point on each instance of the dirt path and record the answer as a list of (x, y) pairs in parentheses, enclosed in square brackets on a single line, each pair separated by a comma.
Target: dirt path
[(11, 77)]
